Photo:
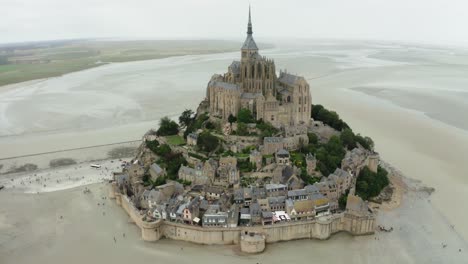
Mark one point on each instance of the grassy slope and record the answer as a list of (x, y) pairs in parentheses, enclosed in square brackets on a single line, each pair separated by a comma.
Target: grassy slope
[(43, 60)]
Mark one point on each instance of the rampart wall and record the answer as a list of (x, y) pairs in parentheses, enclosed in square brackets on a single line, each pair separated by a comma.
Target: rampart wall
[(320, 228)]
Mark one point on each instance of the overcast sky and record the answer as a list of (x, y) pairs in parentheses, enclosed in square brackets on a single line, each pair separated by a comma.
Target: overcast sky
[(425, 21)]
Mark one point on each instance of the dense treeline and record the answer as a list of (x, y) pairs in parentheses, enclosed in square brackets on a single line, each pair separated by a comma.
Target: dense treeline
[(369, 184), (330, 118)]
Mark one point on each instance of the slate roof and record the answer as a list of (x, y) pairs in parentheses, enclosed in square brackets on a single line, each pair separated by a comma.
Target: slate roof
[(272, 139), (288, 78), (249, 43), (250, 95), (225, 85), (272, 186), (156, 168), (282, 152)]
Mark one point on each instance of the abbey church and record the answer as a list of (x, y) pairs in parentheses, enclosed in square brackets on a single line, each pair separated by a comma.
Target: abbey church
[(252, 83)]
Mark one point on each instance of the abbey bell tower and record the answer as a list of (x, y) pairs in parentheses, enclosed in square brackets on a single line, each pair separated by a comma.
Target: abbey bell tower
[(257, 73)]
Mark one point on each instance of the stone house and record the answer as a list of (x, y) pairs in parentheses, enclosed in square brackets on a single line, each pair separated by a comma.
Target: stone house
[(289, 177), (342, 180), (213, 217), (245, 217), (303, 209), (158, 212), (322, 204), (297, 195), (171, 188), (253, 193), (328, 189), (213, 192), (255, 213), (277, 203), (358, 158), (267, 218), (227, 175), (156, 171), (276, 189), (191, 210), (239, 196), (282, 157), (209, 168), (264, 205), (195, 176), (192, 139), (154, 198), (271, 145)]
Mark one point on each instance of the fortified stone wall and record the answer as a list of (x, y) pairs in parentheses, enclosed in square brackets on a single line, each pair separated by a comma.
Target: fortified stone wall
[(200, 235), (321, 228)]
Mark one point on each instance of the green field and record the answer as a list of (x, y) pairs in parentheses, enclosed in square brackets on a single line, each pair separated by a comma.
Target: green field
[(23, 62), (175, 140)]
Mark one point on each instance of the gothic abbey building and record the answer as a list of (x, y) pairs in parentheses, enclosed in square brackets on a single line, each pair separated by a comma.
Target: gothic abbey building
[(252, 83)]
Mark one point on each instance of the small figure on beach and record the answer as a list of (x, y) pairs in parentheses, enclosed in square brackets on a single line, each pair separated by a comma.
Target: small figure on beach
[(115, 240)]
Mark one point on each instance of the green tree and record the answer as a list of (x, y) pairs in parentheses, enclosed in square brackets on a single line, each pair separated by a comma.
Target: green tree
[(207, 142), (167, 127), (348, 138), (330, 155), (365, 142), (186, 118), (232, 119), (245, 116), (369, 184)]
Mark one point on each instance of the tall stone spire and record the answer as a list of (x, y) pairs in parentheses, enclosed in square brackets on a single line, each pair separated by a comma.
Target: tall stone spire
[(249, 43), (249, 25)]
